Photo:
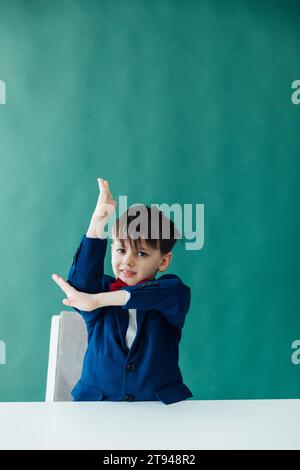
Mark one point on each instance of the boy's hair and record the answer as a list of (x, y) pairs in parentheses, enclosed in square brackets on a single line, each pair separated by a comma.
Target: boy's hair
[(150, 224)]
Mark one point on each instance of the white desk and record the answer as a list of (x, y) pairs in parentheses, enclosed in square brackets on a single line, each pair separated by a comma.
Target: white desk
[(191, 424)]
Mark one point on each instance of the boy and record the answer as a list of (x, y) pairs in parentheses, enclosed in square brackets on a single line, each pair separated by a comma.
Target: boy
[(134, 322)]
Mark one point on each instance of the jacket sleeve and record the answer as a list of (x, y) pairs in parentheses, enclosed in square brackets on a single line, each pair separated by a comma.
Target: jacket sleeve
[(87, 272), (167, 294)]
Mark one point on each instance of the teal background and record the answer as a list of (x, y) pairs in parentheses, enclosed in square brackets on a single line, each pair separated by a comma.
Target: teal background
[(171, 101)]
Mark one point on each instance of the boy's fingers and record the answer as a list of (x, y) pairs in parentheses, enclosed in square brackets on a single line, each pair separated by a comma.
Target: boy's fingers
[(101, 180), (100, 183), (103, 185), (62, 284)]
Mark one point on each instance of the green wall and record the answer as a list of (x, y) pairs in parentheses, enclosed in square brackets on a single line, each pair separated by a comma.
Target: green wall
[(171, 101)]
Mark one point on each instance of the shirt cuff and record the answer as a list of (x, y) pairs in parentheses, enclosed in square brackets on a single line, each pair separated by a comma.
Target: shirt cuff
[(128, 295)]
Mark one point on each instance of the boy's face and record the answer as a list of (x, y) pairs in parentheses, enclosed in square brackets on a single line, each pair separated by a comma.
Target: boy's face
[(133, 266)]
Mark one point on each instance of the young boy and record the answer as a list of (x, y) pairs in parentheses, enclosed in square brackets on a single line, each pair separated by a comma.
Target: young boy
[(134, 322)]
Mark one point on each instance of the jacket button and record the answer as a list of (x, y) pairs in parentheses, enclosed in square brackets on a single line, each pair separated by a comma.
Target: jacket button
[(131, 367), (129, 398)]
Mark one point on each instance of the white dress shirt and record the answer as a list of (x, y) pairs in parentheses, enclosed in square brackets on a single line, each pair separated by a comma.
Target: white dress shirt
[(132, 325)]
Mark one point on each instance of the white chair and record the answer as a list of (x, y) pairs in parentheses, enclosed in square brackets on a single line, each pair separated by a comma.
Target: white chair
[(68, 343)]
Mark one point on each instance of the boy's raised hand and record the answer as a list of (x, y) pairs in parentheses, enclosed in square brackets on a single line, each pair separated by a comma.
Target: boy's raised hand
[(77, 299), (106, 204), (105, 207)]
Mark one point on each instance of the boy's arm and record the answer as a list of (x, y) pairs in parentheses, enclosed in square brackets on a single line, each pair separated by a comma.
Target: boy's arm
[(167, 294), (87, 270)]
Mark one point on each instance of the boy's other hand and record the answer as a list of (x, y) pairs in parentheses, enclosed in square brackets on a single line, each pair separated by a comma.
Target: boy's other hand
[(77, 299)]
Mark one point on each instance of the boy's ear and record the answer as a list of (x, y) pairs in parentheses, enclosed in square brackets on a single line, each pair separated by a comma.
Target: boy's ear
[(166, 260)]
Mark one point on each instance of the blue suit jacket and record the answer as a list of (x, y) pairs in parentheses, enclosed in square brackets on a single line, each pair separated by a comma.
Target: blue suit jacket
[(149, 369)]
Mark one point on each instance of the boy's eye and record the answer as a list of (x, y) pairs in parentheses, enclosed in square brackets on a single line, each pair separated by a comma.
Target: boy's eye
[(139, 253)]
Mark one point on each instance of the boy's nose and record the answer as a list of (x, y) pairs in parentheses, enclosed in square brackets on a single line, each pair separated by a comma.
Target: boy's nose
[(129, 260)]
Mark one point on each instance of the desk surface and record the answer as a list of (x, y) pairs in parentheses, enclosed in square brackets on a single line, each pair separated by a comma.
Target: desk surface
[(191, 424)]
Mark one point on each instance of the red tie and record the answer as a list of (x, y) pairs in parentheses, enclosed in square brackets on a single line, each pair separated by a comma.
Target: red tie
[(118, 284)]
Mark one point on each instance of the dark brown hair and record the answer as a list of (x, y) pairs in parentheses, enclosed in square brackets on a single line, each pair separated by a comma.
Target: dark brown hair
[(150, 224)]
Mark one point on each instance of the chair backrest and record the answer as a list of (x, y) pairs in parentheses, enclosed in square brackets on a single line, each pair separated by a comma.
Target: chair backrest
[(68, 343)]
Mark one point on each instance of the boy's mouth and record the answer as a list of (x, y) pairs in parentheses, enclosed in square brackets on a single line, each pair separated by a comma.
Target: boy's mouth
[(127, 273)]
